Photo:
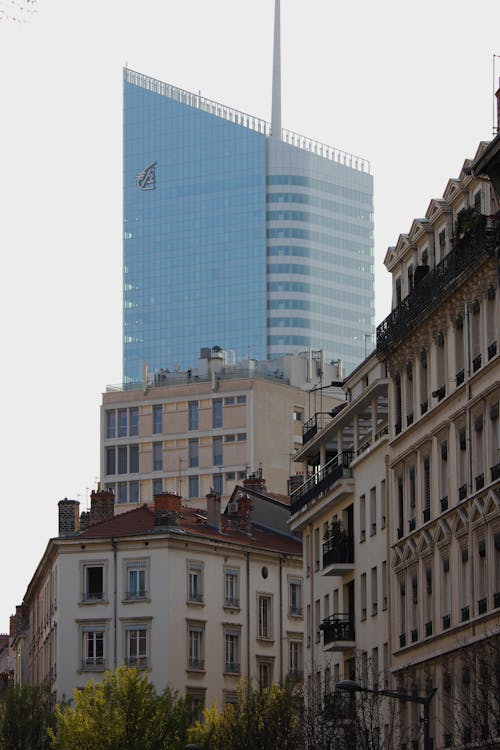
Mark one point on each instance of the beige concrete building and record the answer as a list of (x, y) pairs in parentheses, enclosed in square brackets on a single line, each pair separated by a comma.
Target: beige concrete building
[(340, 510), (199, 600), (189, 431), (440, 343)]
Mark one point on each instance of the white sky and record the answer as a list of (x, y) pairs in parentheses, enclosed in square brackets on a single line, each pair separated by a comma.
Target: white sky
[(407, 85)]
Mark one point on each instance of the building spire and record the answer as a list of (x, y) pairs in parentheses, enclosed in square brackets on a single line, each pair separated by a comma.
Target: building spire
[(276, 102)]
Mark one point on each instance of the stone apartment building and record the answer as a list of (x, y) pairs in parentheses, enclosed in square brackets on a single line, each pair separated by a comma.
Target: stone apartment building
[(199, 599), (190, 431)]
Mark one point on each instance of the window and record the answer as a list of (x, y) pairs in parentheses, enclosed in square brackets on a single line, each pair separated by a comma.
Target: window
[(297, 415), (133, 459), (195, 582), (193, 487), (193, 415), (362, 518), (295, 661), (265, 624), (137, 646), (93, 648), (374, 590), (93, 582), (217, 412), (232, 651), (122, 423), (133, 492), (157, 456), (136, 571), (229, 438), (111, 460), (133, 420), (241, 399), (384, 585), (217, 451), (193, 452), (382, 504), (157, 419), (295, 596), (157, 486), (111, 423), (265, 674), (196, 658), (218, 483), (231, 587), (241, 436), (363, 596), (122, 459), (197, 702), (229, 401), (373, 511), (121, 492)]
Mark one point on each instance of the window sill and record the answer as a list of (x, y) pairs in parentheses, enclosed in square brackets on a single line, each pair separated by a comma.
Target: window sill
[(263, 639), (137, 600), (91, 668), (232, 607), (195, 603), (93, 602)]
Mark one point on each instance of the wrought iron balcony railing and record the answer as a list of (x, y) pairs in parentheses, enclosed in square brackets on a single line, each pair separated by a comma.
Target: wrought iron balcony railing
[(468, 253), (337, 468), (315, 424), (338, 627), (339, 551)]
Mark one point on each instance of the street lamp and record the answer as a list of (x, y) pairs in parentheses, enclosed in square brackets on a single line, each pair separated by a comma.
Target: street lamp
[(424, 700)]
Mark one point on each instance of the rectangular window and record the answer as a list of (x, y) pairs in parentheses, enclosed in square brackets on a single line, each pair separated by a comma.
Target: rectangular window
[(374, 590), (229, 401), (136, 579), (241, 437), (218, 483), (193, 452), (384, 585), (121, 492), (93, 583), (122, 459), (111, 460), (231, 587), (122, 423), (133, 492), (196, 656), (195, 582), (217, 412), (93, 648), (137, 647), (193, 415), (362, 518), (157, 419), (217, 451), (295, 660), (373, 511), (229, 438), (193, 487), (363, 596), (157, 486), (265, 675), (133, 459), (232, 651), (295, 596), (157, 456), (133, 420), (241, 399), (265, 624), (111, 423)]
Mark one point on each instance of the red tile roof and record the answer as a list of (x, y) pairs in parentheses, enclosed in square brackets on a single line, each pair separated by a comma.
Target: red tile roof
[(191, 521)]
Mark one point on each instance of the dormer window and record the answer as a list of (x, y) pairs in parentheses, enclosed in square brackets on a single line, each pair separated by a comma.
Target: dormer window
[(398, 290)]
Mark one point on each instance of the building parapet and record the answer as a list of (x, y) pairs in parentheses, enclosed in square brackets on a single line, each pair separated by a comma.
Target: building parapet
[(161, 379)]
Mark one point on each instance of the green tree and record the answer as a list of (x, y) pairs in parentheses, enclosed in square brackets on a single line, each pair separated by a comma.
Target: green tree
[(123, 712), (264, 719), (26, 714)]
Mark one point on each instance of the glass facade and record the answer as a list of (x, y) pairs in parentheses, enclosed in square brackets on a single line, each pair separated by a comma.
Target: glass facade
[(237, 239)]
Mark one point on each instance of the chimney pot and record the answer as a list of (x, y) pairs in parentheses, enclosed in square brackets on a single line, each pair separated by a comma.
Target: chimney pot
[(68, 517), (102, 505)]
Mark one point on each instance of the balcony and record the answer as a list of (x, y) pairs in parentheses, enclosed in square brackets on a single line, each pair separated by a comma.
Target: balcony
[(476, 363), (464, 613), (479, 482), (468, 253), (338, 555), (232, 667), (402, 640), (412, 524), (482, 606), (315, 487), (460, 376), (446, 622), (440, 392), (495, 472), (414, 635), (338, 632), (462, 492), (428, 629), (316, 423), (443, 504), (197, 664)]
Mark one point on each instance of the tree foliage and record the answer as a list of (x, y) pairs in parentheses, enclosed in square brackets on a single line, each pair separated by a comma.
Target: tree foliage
[(123, 712), (26, 714), (264, 719)]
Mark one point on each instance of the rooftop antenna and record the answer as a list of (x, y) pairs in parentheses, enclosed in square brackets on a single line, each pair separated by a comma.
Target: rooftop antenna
[(276, 101)]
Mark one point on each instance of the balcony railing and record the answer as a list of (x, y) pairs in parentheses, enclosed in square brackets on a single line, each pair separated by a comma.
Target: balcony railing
[(482, 606), (428, 628), (339, 551), (462, 492), (446, 622), (196, 663), (476, 363), (460, 377), (315, 424), (492, 350), (444, 504), (495, 472), (337, 468), (466, 254), (338, 628), (479, 482), (232, 667), (465, 613)]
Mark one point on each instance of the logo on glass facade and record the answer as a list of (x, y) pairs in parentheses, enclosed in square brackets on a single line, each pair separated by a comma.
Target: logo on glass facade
[(146, 179)]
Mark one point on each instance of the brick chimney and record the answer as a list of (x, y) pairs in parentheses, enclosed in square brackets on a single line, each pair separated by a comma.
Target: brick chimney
[(294, 482), (68, 517), (244, 515), (213, 510), (255, 481), (167, 507), (102, 505)]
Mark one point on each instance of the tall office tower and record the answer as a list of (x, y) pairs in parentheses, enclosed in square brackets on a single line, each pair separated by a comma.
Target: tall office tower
[(238, 233)]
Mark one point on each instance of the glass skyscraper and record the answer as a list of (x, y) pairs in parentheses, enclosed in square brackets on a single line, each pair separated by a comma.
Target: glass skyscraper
[(261, 244)]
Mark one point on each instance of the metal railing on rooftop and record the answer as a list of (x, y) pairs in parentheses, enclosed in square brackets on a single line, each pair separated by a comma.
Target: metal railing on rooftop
[(158, 380)]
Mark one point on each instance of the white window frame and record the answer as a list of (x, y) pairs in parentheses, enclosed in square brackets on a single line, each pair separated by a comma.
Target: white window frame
[(265, 617), (194, 582), (89, 633), (195, 646), (139, 566), (232, 587)]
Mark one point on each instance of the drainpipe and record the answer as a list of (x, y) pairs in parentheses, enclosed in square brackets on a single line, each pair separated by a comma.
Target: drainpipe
[(312, 629), (468, 395), (282, 611), (115, 595), (248, 620), (388, 576)]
